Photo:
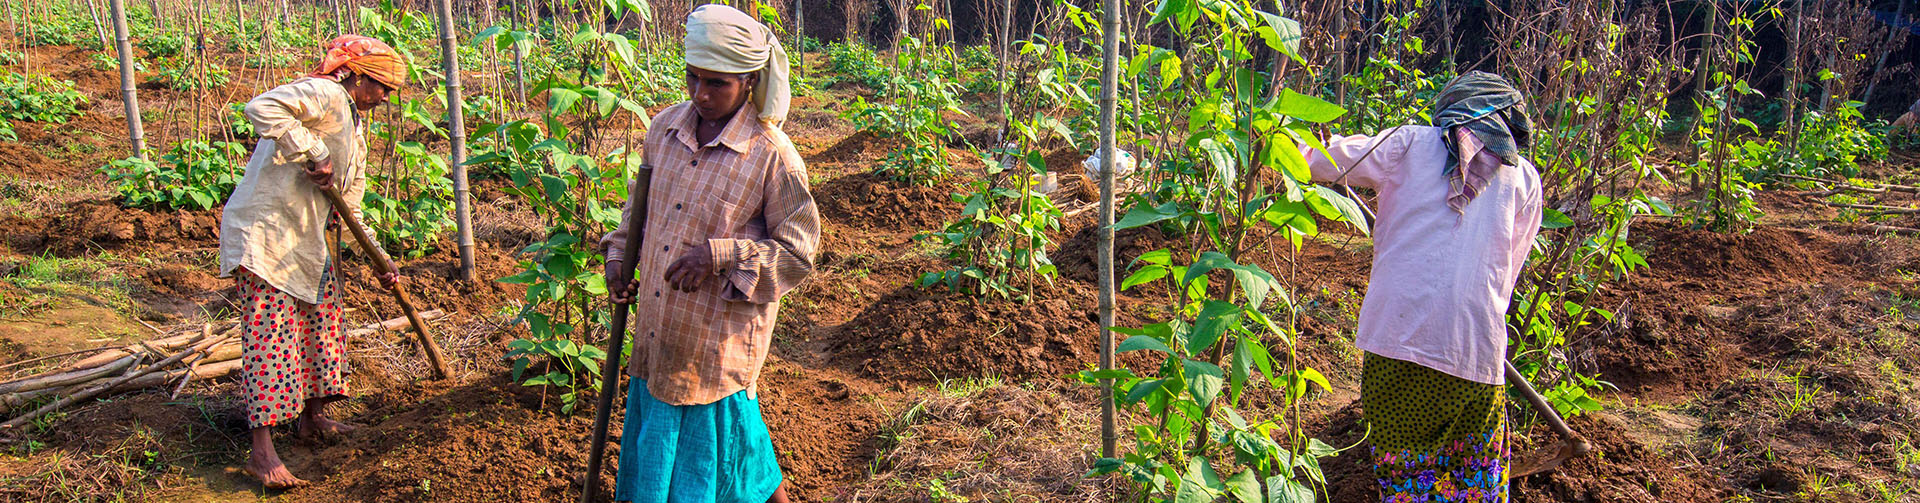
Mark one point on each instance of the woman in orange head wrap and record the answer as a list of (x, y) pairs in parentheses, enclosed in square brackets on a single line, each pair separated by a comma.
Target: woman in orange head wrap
[(272, 242)]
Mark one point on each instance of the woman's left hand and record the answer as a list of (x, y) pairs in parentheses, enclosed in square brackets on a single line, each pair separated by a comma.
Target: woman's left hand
[(392, 280)]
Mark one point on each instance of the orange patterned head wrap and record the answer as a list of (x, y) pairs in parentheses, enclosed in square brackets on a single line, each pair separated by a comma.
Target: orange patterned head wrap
[(365, 56)]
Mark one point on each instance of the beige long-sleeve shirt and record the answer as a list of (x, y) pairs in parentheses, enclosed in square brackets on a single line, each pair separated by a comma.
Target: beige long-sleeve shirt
[(745, 196), (274, 224)]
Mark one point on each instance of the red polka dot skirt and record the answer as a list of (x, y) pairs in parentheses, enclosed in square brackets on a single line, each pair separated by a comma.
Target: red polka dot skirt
[(292, 350)]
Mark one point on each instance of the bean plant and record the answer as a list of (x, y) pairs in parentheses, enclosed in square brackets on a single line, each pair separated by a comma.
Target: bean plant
[(193, 175), (577, 193), (1234, 180)]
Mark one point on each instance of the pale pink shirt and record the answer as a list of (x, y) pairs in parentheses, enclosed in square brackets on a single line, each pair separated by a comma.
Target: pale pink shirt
[(1441, 280)]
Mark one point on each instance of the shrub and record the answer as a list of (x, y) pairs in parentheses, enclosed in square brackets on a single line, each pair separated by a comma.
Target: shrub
[(193, 175), (39, 98)]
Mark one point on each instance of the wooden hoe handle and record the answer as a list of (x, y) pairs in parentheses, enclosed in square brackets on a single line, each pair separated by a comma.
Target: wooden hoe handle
[(616, 334), (382, 268), (1540, 405)]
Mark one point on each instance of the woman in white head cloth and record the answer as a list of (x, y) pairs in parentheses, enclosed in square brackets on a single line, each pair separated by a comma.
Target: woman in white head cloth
[(741, 232)]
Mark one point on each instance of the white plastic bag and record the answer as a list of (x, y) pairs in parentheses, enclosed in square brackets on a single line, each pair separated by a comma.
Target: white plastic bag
[(1122, 166)]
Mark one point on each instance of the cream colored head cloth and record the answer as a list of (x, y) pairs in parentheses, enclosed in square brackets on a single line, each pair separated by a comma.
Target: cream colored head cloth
[(723, 39)]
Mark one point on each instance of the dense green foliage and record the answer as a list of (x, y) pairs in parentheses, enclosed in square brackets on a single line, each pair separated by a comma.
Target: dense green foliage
[(192, 175)]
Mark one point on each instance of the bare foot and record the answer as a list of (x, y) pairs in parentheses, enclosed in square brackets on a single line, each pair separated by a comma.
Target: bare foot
[(271, 472), (318, 427)]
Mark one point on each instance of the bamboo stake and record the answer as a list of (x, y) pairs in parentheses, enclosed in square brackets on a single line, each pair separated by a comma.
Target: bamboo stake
[(382, 267), (457, 150), (50, 357), (135, 133), (99, 27), (22, 419), (191, 367), (1109, 77), (66, 378)]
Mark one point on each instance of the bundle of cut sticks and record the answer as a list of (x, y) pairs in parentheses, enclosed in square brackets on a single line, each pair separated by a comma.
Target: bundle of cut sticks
[(206, 352)]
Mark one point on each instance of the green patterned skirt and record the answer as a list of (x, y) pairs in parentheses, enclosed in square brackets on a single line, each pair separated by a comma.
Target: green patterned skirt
[(1434, 437)]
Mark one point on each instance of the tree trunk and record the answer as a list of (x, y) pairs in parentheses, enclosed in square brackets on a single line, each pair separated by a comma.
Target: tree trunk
[(1703, 73), (520, 17), (159, 20), (1790, 91), (1446, 33), (135, 133), (457, 151), (800, 36), (1109, 78), (99, 27)]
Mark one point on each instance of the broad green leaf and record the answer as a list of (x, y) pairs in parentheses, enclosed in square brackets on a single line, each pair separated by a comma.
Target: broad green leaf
[(1197, 482), (1141, 342), (1143, 389), (1244, 486), (1161, 256), (1144, 275), (1307, 108), (1143, 215), (1204, 380), (1281, 489), (1348, 209), (1215, 318), (1281, 151), (561, 101), (1100, 375), (1282, 34), (1225, 169), (1553, 219)]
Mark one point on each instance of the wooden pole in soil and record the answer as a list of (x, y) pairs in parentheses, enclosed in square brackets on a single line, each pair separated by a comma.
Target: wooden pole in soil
[(135, 133), (457, 151), (616, 334), (800, 36), (381, 267), (1109, 77), (518, 18), (99, 28)]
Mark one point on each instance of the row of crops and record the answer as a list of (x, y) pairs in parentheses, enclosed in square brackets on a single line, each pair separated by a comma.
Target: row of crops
[(1216, 99)]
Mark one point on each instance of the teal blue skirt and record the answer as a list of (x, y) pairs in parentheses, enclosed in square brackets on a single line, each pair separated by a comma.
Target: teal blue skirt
[(713, 453)]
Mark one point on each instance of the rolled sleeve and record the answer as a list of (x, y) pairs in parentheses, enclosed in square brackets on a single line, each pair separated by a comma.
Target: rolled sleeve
[(1358, 160), (761, 271), (281, 114)]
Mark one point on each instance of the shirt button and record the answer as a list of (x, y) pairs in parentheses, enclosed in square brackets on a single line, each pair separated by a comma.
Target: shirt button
[(656, 293), (695, 162), (664, 248), (676, 206)]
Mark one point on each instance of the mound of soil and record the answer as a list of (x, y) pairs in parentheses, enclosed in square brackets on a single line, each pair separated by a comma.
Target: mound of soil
[(434, 282), (871, 201), (1076, 257), (862, 146), (920, 335), (26, 162), (483, 441), (1680, 322), (96, 225), (1766, 256)]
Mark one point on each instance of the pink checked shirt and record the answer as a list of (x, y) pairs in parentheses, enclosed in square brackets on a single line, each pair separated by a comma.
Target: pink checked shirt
[(745, 196), (1441, 280)]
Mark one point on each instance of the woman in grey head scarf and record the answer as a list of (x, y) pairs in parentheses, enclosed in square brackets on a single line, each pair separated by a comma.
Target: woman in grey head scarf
[(1459, 206)]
